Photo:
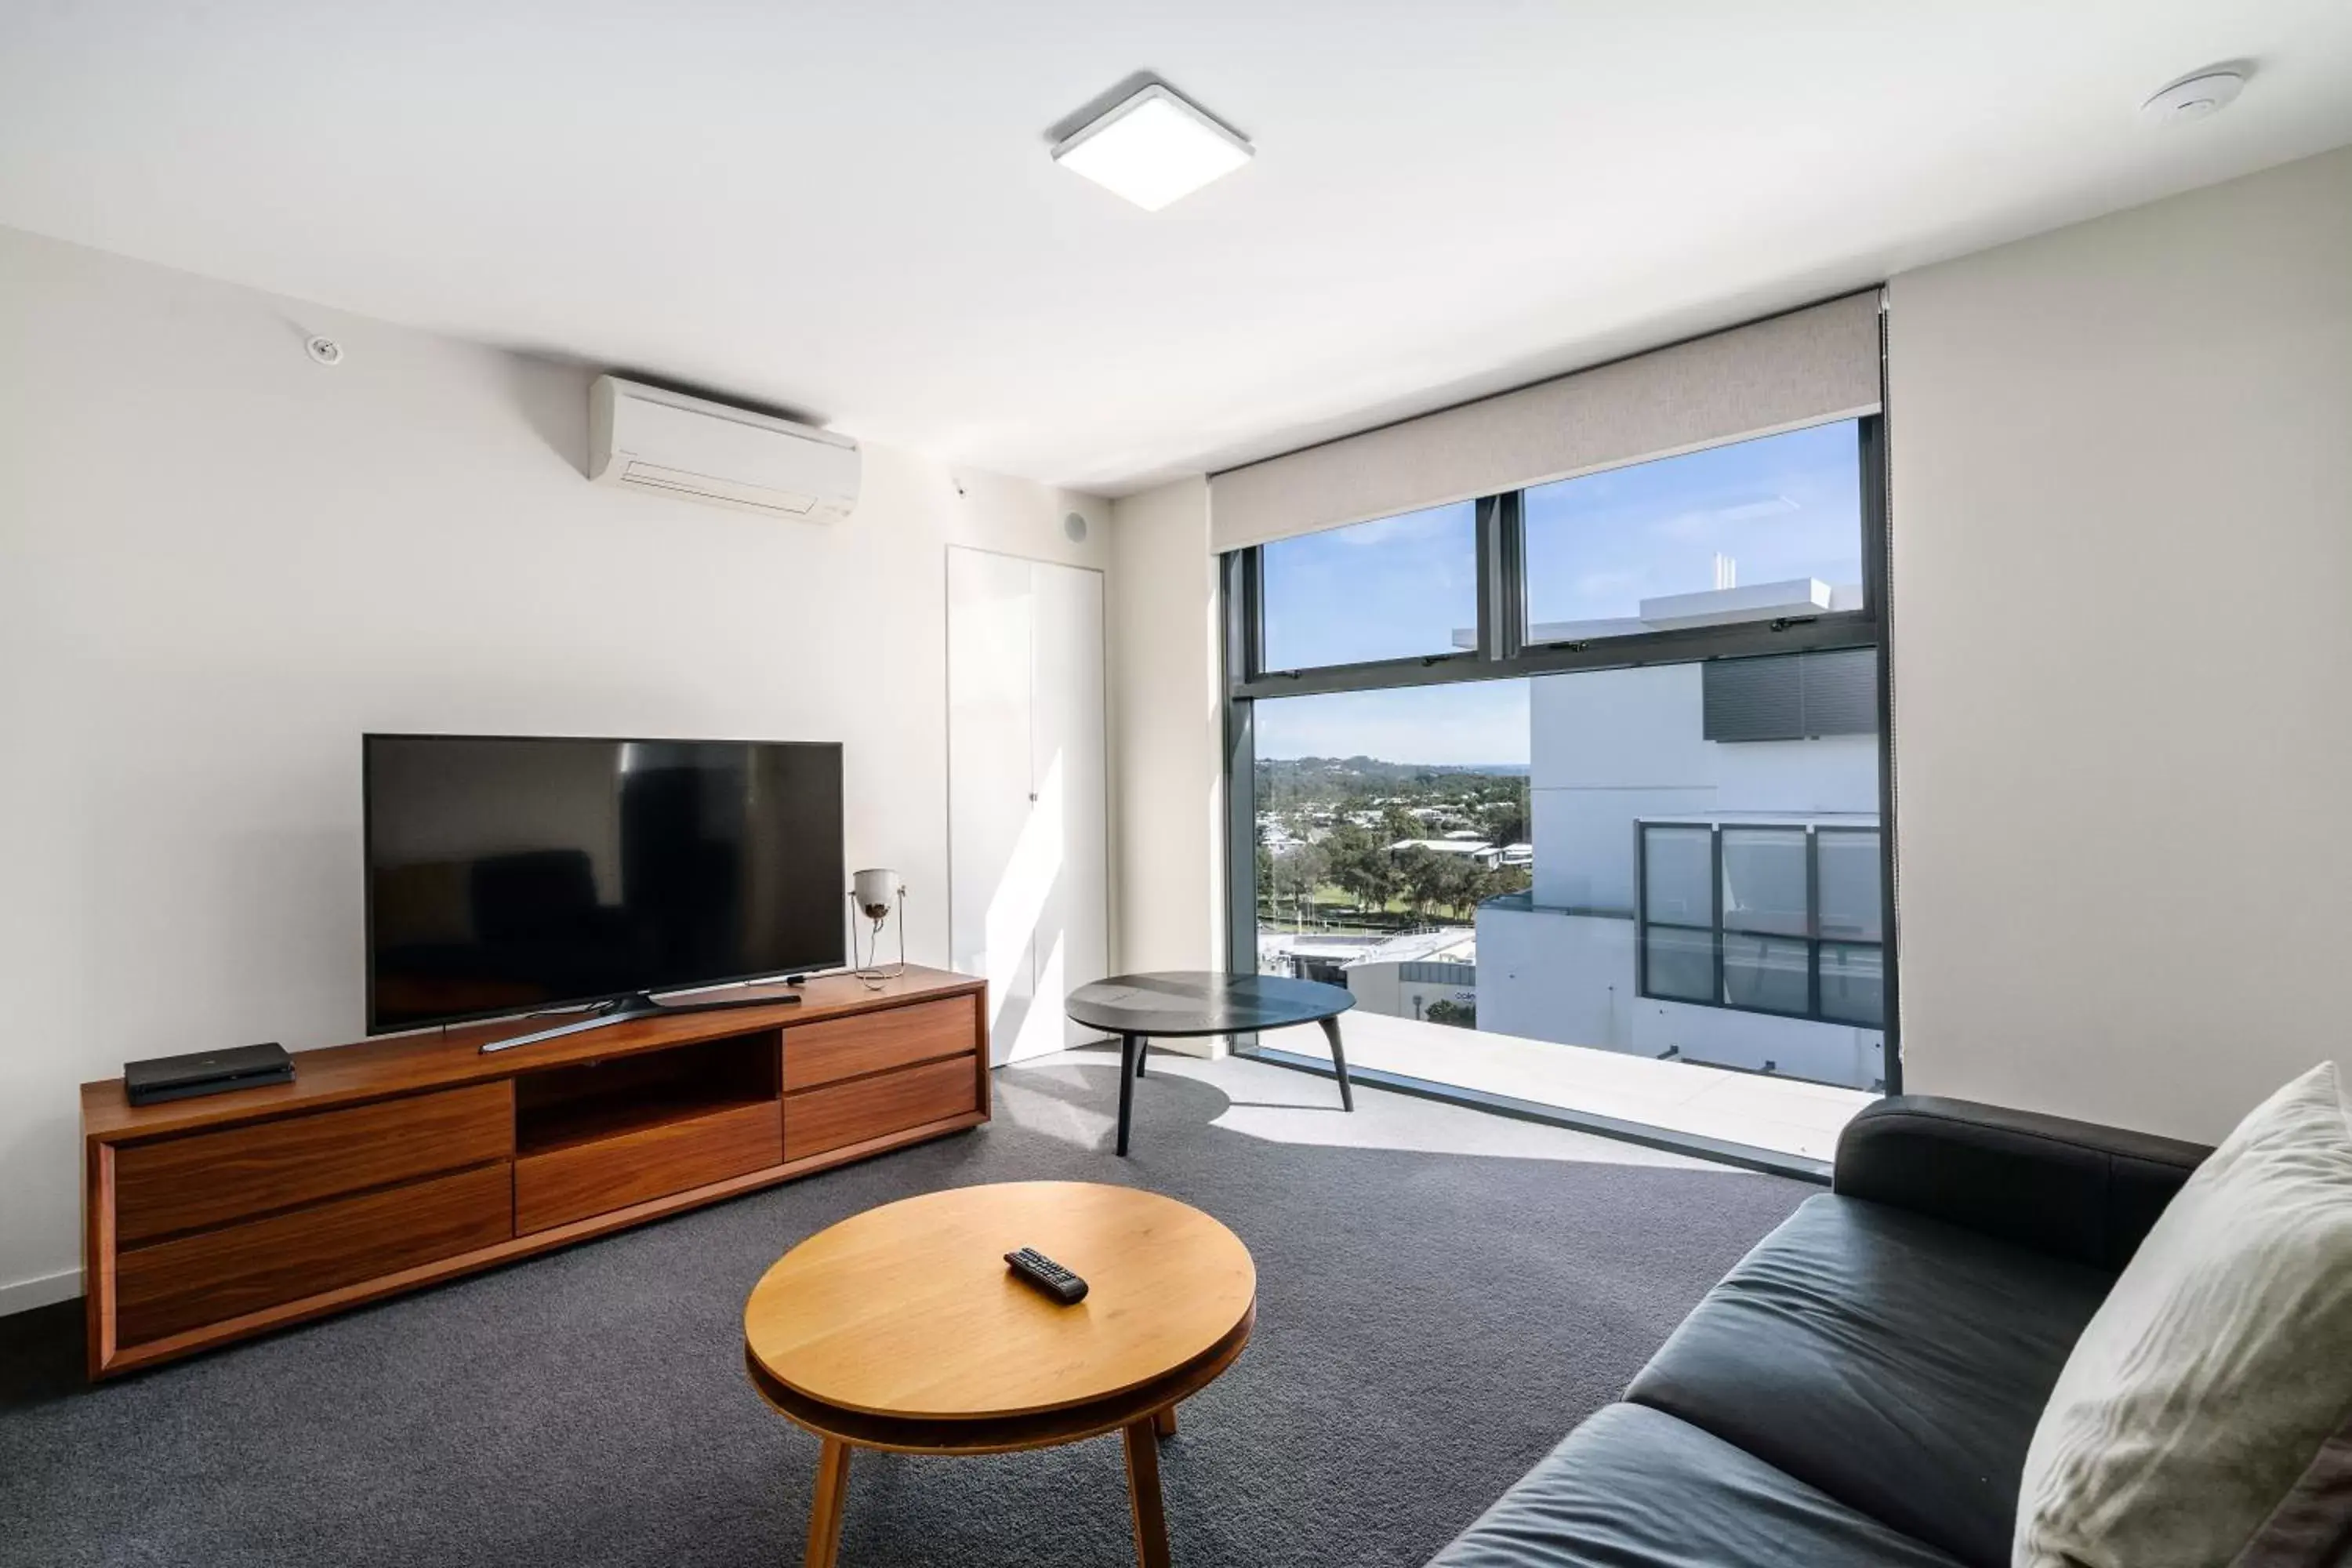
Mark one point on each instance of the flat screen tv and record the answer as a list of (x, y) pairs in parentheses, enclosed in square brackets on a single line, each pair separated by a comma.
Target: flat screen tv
[(509, 874)]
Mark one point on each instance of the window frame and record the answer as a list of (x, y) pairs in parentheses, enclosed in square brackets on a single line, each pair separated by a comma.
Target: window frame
[(1502, 653)]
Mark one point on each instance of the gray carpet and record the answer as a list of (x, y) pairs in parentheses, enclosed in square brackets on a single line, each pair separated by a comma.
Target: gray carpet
[(1430, 1321)]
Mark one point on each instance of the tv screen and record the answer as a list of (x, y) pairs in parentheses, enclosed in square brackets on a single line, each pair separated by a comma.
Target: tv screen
[(506, 874)]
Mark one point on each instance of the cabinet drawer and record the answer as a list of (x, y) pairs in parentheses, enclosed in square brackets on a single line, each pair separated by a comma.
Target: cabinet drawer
[(608, 1173), (876, 1042), (219, 1274), (844, 1113), (213, 1178)]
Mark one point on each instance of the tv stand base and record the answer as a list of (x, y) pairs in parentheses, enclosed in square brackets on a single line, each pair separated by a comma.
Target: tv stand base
[(622, 1009)]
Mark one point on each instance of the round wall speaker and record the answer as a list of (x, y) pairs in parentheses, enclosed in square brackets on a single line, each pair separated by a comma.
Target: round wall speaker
[(1075, 527)]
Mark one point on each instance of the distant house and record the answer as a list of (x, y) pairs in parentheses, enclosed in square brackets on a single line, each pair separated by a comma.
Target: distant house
[(1405, 975), (1312, 955), (1469, 848), (1278, 842)]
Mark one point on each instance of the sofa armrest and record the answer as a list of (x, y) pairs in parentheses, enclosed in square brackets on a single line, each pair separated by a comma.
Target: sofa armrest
[(2072, 1188)]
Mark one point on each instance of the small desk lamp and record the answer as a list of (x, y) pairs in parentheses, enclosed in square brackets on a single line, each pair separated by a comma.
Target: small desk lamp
[(872, 891)]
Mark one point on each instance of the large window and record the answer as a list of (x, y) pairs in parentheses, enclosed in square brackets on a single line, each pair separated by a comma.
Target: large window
[(1595, 765), (1778, 917)]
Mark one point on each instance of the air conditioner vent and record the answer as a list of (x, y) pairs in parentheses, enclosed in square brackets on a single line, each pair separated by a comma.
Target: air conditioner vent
[(648, 438)]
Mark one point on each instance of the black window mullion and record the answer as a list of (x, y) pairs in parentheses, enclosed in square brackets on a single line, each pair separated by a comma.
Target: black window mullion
[(1641, 902), (1812, 922), (1877, 575), (1245, 627), (1242, 642), (1691, 644), (1715, 893), (1502, 578), (1489, 566)]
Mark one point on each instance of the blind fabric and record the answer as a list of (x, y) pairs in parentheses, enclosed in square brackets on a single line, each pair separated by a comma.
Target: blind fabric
[(1807, 367)]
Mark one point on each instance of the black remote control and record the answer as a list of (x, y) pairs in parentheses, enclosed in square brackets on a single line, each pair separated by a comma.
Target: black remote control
[(1047, 1276)]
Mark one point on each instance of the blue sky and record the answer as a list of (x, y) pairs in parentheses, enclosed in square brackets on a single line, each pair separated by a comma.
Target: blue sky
[(1477, 721), (1781, 507)]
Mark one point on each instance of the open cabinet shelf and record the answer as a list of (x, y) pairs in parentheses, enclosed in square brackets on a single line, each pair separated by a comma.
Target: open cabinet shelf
[(565, 1108)]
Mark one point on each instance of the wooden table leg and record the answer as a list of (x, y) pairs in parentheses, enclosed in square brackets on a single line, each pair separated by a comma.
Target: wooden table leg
[(824, 1509), (1143, 1492), (1164, 1421), (1126, 1086), (1339, 1060)]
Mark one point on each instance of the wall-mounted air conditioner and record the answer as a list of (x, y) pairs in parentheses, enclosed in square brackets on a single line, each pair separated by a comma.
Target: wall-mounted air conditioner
[(652, 439)]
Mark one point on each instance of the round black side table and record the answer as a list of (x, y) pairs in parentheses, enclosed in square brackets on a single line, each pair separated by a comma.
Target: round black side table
[(1177, 1003)]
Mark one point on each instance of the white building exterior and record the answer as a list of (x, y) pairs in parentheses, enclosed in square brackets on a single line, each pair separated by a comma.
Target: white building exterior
[(1608, 750), (1404, 975)]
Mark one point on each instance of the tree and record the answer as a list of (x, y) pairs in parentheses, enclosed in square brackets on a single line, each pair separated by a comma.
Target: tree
[(1360, 864), (1464, 1014), (1505, 821), (1425, 877), (1288, 881)]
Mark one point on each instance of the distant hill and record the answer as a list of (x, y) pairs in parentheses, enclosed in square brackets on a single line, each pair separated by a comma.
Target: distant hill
[(1284, 782), (1375, 768)]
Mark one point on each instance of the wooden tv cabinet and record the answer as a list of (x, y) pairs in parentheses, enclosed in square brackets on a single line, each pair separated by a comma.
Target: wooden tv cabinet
[(397, 1162)]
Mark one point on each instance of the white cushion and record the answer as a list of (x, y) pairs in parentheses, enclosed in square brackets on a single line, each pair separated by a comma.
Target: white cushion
[(2220, 1364)]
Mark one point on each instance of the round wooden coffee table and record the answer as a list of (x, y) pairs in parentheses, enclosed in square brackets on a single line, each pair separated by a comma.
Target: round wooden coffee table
[(902, 1328)]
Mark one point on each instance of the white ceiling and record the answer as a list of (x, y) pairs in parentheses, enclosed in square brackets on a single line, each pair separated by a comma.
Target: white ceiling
[(848, 210)]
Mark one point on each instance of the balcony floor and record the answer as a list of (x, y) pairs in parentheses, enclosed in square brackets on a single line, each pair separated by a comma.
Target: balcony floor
[(1778, 1115)]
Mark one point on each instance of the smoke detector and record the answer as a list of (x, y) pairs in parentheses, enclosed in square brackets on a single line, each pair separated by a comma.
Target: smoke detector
[(2194, 96)]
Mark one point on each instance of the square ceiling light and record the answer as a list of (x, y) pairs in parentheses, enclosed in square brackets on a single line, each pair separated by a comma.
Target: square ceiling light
[(1153, 149)]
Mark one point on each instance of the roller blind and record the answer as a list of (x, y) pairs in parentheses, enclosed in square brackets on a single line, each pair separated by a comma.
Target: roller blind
[(1807, 367)]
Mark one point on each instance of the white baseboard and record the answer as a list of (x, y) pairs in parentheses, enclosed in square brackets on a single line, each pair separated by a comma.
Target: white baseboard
[(48, 1288)]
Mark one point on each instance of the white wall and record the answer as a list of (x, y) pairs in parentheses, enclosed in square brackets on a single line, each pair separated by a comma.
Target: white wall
[(1757, 1042), (1545, 975), (1607, 748), (1382, 988), (1167, 726), (2122, 499), (220, 563)]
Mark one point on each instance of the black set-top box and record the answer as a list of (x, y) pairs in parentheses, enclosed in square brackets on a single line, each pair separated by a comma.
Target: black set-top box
[(206, 1072)]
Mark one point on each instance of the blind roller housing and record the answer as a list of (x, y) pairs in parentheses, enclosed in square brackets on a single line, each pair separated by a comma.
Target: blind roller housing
[(1808, 367)]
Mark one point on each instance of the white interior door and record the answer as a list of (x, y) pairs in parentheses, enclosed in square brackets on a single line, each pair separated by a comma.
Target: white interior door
[(988, 780), (1066, 765), (1028, 903)]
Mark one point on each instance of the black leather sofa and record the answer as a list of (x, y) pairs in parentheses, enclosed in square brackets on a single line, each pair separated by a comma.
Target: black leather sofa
[(1861, 1389)]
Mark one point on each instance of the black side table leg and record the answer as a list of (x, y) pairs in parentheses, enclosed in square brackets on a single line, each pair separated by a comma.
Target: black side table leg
[(1339, 1060), (1142, 1050), (1127, 1065)]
